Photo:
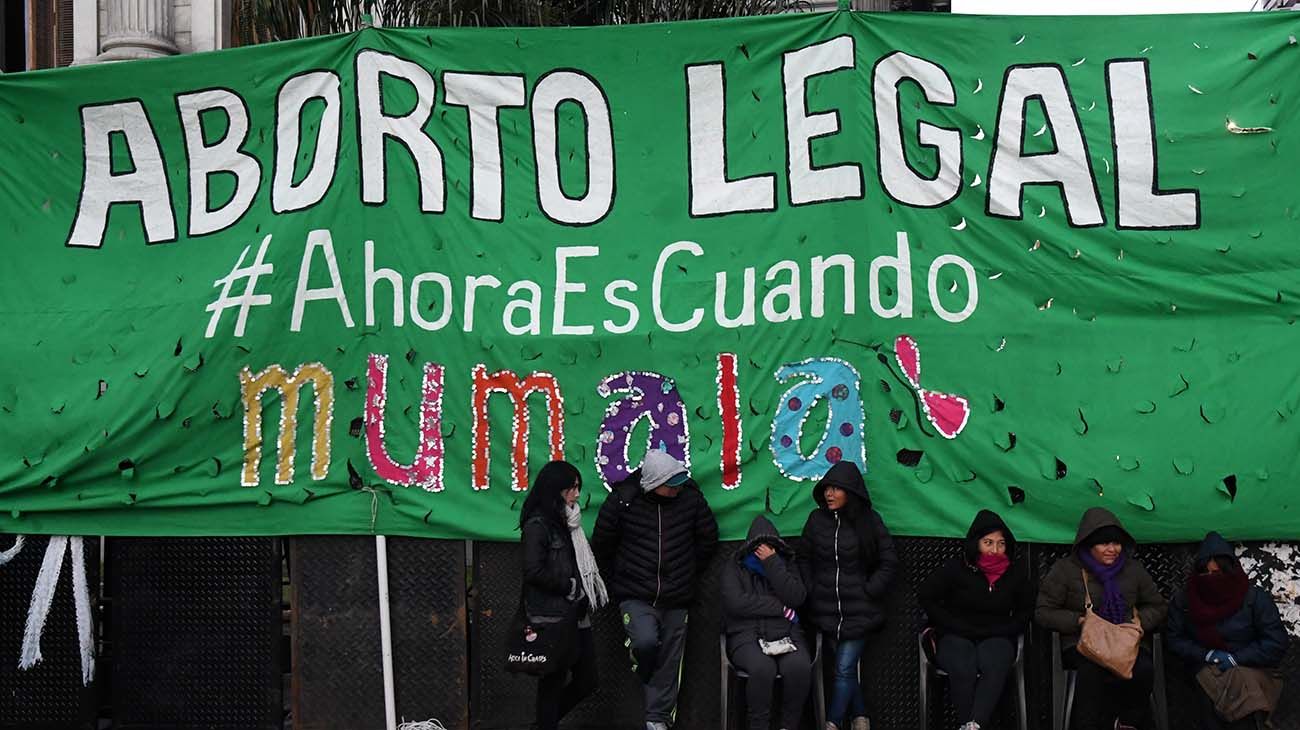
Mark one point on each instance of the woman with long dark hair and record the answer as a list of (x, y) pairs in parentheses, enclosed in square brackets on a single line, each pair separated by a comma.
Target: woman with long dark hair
[(848, 564), (559, 575), (1229, 634)]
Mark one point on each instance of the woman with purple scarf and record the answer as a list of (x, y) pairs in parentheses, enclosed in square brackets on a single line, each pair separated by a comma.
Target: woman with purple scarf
[(1120, 587)]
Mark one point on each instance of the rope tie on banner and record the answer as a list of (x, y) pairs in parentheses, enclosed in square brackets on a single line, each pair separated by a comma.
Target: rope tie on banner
[(12, 552), (43, 597), (374, 507)]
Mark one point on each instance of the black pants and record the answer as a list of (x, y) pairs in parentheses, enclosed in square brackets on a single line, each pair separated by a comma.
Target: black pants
[(1100, 697), (795, 669), (977, 672), (559, 692)]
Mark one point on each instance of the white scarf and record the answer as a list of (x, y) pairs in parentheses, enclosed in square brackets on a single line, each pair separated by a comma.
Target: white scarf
[(592, 584)]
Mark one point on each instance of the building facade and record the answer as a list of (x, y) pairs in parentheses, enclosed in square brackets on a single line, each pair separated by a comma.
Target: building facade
[(36, 34)]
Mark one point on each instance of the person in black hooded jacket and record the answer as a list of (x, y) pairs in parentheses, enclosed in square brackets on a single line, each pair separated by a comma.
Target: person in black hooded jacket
[(848, 564), (653, 537), (760, 590), (978, 603), (1103, 572), (1221, 624)]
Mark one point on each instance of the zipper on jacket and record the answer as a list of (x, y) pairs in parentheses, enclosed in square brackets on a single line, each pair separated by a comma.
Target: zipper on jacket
[(839, 606), (659, 560)]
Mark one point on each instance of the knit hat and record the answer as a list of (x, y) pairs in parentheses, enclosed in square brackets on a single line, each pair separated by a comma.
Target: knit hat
[(659, 468)]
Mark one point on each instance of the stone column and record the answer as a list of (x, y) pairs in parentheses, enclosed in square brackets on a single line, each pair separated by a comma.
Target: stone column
[(138, 29)]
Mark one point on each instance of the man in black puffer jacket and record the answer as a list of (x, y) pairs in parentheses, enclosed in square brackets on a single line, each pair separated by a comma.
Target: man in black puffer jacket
[(654, 535)]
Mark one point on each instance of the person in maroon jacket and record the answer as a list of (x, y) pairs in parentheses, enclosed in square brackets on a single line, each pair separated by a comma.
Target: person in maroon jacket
[(978, 603)]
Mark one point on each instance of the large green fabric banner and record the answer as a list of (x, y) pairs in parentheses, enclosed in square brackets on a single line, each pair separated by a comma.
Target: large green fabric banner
[(373, 282)]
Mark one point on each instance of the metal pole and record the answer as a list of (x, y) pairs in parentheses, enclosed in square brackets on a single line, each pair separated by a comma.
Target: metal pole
[(385, 632)]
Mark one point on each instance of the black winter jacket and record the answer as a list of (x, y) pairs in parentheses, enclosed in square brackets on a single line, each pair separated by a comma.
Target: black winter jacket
[(652, 548), (847, 565), (958, 599), (551, 579), (1254, 634), (753, 606)]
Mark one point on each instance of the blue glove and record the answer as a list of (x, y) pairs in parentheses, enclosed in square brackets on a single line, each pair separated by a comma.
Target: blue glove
[(1221, 659)]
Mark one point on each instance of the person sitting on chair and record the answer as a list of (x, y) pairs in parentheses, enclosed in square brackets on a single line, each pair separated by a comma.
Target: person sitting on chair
[(1228, 632), (760, 589), (978, 603), (1119, 586)]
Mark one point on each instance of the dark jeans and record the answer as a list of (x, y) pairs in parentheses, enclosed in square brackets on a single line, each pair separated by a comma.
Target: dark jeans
[(846, 700), (977, 672), (1100, 697), (795, 669), (556, 696)]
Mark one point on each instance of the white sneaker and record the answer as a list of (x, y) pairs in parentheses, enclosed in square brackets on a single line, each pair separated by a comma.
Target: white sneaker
[(972, 725), (656, 726), (861, 723)]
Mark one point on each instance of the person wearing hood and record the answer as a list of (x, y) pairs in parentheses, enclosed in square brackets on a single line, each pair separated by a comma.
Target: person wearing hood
[(1221, 626), (978, 603), (1120, 588), (560, 571), (760, 589), (848, 564), (654, 536)]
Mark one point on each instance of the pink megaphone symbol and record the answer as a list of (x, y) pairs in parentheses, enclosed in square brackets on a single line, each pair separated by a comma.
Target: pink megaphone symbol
[(946, 412)]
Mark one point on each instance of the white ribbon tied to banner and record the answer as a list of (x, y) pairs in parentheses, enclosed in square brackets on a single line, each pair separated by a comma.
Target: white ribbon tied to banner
[(43, 597)]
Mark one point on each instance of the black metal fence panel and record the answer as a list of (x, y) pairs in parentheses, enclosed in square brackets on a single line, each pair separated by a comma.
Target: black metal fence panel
[(195, 633), (192, 632), (337, 671), (337, 677)]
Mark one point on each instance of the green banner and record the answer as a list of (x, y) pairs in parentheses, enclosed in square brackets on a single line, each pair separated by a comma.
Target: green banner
[(371, 283)]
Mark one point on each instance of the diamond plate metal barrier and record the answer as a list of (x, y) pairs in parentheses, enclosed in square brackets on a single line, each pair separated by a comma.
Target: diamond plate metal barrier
[(427, 592), (195, 633), (337, 671), (919, 557), (337, 677), (50, 695), (500, 699), (701, 675)]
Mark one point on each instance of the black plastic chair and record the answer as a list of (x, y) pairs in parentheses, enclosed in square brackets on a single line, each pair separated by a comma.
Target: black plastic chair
[(1063, 686), (818, 682), (927, 668)]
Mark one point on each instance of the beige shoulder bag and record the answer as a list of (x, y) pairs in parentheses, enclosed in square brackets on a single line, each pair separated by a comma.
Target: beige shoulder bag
[(1113, 646)]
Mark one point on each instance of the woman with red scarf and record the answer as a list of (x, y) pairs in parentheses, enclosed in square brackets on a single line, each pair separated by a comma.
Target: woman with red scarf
[(978, 603), (1224, 626)]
